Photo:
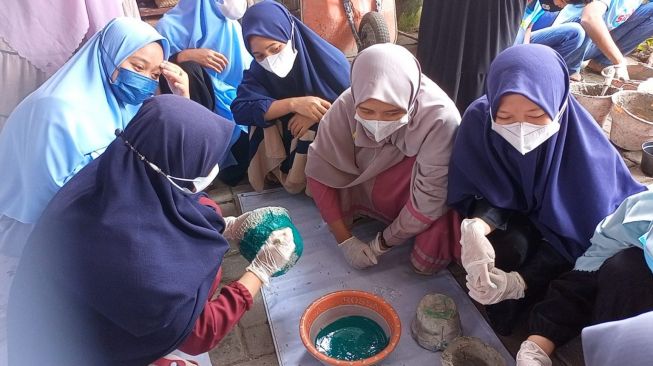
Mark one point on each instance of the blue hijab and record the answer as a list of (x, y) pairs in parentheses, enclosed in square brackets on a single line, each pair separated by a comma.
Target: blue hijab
[(320, 69), (631, 225), (124, 259), (566, 185), (68, 121), (200, 24)]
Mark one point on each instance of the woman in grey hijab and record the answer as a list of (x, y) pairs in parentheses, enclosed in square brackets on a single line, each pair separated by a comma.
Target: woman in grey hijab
[(383, 151)]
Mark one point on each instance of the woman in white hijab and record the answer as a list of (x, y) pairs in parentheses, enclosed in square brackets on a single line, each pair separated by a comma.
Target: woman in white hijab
[(383, 151)]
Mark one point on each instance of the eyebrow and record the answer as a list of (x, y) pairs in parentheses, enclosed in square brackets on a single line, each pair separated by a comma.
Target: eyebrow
[(266, 48), (138, 58)]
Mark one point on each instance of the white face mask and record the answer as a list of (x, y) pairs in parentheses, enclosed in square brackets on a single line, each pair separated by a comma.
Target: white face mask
[(232, 9), (524, 136), (200, 183), (281, 63), (382, 129)]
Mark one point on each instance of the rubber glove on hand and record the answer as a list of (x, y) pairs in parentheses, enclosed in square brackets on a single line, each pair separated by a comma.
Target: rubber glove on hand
[(233, 227), (621, 72), (509, 285), (530, 354), (477, 253), (236, 227), (358, 254), (274, 255), (378, 245)]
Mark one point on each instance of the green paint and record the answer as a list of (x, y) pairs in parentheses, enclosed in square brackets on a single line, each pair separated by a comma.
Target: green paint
[(256, 236), (445, 314), (351, 338)]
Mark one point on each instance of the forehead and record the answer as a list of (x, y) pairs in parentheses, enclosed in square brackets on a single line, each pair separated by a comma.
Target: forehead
[(378, 105), (151, 52), (259, 43), (515, 101)]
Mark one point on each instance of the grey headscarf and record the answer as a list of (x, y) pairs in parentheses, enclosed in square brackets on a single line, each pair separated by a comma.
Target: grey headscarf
[(344, 154)]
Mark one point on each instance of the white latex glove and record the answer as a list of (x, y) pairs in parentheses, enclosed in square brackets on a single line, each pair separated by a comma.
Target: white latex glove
[(235, 227), (358, 254), (477, 253), (530, 354), (377, 247), (229, 222), (621, 71), (273, 255), (508, 286)]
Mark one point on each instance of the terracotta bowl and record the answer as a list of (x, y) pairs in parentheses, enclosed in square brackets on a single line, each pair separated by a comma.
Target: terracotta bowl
[(339, 304)]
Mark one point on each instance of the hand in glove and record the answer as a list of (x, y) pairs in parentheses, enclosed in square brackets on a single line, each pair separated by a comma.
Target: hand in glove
[(508, 286), (358, 254), (477, 253), (274, 255), (621, 72), (378, 245), (233, 225), (236, 227), (530, 354)]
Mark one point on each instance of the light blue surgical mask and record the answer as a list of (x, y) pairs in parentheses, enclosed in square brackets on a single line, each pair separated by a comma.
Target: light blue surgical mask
[(133, 88)]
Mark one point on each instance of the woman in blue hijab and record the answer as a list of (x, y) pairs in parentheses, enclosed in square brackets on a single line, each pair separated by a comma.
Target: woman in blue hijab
[(531, 162), (289, 86), (70, 119), (122, 267), (207, 42)]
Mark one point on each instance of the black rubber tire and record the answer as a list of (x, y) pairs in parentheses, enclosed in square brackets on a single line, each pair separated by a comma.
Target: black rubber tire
[(373, 30)]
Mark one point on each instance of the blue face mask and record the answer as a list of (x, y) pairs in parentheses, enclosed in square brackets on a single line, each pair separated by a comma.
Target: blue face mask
[(133, 88)]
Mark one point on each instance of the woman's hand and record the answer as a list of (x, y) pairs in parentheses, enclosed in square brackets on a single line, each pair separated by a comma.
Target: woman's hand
[(313, 108), (177, 79), (300, 124), (205, 57)]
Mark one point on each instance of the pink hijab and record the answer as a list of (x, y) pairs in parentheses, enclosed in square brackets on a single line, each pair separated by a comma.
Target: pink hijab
[(48, 32), (344, 155)]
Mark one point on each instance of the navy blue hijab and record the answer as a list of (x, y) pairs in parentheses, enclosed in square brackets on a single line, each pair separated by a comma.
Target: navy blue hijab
[(119, 266), (320, 69), (566, 185)]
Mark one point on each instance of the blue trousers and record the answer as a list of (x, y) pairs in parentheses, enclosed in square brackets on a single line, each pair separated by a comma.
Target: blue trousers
[(565, 39), (570, 41)]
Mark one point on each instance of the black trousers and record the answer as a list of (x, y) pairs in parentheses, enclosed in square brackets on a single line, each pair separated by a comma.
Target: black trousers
[(521, 248), (201, 91), (620, 289)]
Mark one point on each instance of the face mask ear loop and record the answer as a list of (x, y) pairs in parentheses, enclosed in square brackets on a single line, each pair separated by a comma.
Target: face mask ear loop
[(118, 133)]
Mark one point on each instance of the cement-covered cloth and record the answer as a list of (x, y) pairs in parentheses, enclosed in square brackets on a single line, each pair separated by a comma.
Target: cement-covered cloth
[(322, 269)]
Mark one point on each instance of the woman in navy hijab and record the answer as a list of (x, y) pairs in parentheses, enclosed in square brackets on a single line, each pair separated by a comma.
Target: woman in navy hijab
[(531, 162), (289, 86), (122, 267)]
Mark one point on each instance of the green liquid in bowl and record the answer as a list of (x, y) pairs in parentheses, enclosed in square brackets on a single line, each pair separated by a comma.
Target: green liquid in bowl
[(351, 338)]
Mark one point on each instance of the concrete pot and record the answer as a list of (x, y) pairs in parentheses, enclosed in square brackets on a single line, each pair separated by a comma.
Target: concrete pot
[(632, 119), (471, 351), (436, 322), (589, 96)]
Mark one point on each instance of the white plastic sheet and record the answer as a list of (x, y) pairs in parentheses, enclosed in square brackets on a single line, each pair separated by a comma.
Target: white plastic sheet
[(322, 269)]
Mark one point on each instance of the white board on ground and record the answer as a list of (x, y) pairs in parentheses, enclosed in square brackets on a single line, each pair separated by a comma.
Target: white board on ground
[(322, 269)]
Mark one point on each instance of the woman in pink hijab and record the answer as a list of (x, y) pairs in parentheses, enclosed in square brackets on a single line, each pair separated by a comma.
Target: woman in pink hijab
[(383, 151)]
